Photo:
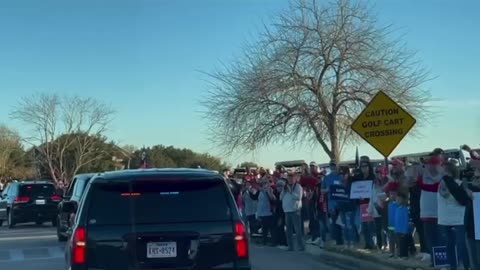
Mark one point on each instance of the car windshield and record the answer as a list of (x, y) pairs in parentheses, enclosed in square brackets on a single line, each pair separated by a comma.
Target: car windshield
[(158, 202)]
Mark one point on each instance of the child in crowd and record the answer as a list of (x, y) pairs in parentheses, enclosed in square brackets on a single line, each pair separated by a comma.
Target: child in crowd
[(402, 225), (392, 208)]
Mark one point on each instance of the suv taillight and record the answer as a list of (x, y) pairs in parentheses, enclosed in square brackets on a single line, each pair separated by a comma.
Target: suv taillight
[(79, 246), (241, 240), (56, 198), (22, 199)]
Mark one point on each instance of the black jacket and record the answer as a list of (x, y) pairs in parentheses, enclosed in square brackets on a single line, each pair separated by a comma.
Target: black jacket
[(461, 195)]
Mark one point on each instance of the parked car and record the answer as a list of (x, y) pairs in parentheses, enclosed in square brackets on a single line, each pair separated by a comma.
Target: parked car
[(157, 219), (29, 201), (74, 194)]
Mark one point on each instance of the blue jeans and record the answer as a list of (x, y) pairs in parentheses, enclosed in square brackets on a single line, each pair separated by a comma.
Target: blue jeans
[(323, 226), (348, 219), (313, 224), (368, 229), (293, 221), (455, 239), (336, 230), (432, 236)]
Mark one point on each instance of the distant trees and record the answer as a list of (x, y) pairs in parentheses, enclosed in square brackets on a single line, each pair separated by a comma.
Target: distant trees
[(67, 137), (67, 131), (13, 161), (169, 156)]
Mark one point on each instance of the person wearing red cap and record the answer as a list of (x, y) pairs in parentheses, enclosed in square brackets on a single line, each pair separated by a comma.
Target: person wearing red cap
[(429, 182), (397, 173)]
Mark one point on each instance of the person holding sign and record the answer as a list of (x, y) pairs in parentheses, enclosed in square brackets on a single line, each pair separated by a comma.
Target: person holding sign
[(365, 178), (334, 189), (377, 207), (465, 196), (348, 210)]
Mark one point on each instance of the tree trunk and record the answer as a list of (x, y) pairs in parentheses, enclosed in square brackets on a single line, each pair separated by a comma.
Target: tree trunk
[(334, 141), (334, 146)]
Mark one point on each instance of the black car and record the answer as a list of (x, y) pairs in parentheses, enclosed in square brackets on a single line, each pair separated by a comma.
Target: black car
[(29, 201), (74, 194), (157, 219)]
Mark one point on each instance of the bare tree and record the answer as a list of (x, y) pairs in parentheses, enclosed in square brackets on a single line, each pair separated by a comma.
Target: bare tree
[(308, 76), (9, 142), (62, 124), (128, 152)]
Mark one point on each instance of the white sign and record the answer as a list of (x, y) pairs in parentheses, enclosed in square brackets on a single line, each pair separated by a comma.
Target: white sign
[(361, 189), (476, 214)]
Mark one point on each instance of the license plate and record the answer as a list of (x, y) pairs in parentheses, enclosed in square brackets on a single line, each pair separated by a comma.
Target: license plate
[(161, 250), (40, 202)]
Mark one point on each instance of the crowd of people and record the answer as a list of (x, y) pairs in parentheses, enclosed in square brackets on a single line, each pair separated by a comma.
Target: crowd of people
[(413, 208)]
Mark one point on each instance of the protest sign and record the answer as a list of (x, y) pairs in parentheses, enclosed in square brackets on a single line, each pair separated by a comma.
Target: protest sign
[(361, 189), (440, 258), (338, 193)]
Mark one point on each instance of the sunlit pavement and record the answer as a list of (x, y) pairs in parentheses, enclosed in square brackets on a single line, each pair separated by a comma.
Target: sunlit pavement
[(31, 247)]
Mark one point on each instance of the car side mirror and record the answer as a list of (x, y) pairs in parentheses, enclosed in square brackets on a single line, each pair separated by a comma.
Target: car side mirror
[(70, 207)]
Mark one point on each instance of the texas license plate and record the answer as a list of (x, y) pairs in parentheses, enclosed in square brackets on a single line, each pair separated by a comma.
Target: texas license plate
[(40, 202), (161, 250)]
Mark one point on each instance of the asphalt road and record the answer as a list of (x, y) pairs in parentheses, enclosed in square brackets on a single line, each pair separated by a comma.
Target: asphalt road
[(30, 247), (34, 247)]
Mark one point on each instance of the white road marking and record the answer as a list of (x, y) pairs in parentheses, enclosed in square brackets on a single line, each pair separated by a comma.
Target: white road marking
[(4, 239)]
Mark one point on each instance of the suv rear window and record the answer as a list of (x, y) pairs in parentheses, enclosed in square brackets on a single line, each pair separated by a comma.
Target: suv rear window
[(80, 187), (158, 202), (35, 190)]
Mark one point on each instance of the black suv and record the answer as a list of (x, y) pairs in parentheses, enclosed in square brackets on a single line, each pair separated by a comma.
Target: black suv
[(29, 201), (157, 219), (73, 194)]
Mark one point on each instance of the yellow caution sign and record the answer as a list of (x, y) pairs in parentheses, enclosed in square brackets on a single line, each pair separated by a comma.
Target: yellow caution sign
[(383, 124)]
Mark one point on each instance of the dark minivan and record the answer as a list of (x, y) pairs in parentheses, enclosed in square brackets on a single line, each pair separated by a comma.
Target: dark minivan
[(158, 219), (73, 194), (29, 201)]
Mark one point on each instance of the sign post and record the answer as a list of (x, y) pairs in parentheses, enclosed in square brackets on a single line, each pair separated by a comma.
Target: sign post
[(383, 124)]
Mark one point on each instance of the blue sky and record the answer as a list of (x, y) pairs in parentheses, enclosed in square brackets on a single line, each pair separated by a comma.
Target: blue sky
[(144, 57)]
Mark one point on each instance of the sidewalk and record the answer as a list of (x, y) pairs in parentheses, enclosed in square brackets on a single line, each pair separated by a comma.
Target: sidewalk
[(369, 256)]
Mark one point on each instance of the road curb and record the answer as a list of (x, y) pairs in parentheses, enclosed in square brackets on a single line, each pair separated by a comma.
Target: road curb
[(352, 255)]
